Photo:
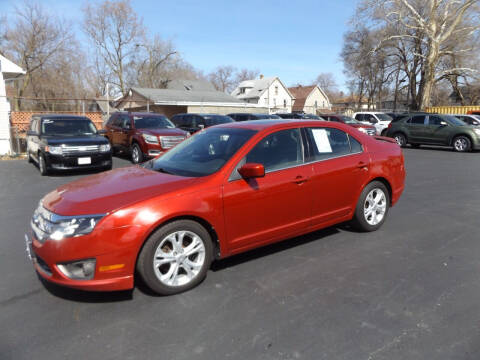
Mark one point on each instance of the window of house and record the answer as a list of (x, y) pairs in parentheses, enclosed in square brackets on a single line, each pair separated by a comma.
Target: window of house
[(266, 101), (284, 103), (276, 90), (275, 102)]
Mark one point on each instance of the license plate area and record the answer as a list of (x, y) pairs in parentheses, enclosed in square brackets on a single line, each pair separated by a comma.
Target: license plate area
[(84, 160)]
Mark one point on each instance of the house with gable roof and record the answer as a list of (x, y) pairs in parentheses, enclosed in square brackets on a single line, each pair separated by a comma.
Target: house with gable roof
[(268, 92), (310, 99)]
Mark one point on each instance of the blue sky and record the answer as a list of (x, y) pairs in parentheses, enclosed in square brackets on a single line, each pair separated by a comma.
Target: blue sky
[(295, 40)]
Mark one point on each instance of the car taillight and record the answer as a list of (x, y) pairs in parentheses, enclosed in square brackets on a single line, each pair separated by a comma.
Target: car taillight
[(389, 126)]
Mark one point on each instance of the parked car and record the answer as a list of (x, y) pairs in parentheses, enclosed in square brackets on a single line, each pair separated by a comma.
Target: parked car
[(223, 191), (195, 122), (248, 116), (367, 129), (435, 129), (65, 142), (142, 135), (299, 116), (468, 119), (378, 119)]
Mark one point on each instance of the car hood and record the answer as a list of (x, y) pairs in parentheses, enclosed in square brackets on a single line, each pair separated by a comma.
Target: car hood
[(76, 140), (163, 132), (108, 191)]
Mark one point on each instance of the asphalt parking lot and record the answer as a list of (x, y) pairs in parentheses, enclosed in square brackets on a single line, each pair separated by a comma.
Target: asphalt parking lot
[(408, 291)]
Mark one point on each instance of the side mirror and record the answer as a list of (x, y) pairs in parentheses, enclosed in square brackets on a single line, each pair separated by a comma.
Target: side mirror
[(201, 126), (128, 126), (101, 132), (252, 170), (32, 133)]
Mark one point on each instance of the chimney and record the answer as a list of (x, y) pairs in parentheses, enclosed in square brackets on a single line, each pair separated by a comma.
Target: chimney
[(261, 76)]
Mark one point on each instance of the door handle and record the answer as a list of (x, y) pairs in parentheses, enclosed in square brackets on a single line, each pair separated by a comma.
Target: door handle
[(300, 179), (362, 165)]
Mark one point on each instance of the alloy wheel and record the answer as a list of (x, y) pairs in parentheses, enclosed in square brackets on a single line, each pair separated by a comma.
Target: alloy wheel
[(460, 144), (135, 155), (400, 139), (375, 206), (179, 258)]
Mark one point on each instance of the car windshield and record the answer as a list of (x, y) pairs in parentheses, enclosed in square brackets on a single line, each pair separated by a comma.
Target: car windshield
[(202, 154), (384, 117), (68, 127), (217, 119), (453, 120), (349, 120), (152, 122)]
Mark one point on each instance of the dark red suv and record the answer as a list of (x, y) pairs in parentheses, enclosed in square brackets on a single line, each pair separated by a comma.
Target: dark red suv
[(143, 135)]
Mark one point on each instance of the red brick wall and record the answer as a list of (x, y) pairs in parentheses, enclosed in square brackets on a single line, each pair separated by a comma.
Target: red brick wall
[(21, 119)]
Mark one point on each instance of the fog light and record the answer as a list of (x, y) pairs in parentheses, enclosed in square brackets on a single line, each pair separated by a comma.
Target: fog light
[(78, 270)]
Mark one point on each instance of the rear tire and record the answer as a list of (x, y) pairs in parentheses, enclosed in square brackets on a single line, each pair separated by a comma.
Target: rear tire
[(372, 207), (462, 144), (176, 257)]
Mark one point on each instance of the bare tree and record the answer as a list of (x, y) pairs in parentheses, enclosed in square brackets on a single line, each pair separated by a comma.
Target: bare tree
[(223, 78), (246, 74), (434, 25), (37, 41), (115, 31), (326, 81)]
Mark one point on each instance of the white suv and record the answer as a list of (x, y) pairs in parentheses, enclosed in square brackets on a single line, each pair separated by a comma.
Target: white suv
[(378, 119)]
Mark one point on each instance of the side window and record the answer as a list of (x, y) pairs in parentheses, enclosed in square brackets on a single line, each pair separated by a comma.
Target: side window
[(355, 146), (33, 125), (359, 117), (279, 150), (326, 143), (111, 120), (125, 121), (434, 120), (117, 121), (417, 120)]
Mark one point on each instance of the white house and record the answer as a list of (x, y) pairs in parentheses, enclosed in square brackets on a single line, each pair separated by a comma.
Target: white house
[(8, 71), (310, 99), (265, 91)]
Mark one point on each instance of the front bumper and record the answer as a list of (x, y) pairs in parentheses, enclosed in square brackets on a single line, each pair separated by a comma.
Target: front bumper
[(152, 150), (71, 162), (45, 257)]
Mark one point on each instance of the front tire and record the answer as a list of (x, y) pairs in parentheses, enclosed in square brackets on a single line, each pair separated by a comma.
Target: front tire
[(137, 154), (400, 139), (462, 144), (176, 257), (372, 207), (42, 165)]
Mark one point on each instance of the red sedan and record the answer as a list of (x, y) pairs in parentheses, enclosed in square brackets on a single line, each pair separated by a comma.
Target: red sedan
[(225, 190)]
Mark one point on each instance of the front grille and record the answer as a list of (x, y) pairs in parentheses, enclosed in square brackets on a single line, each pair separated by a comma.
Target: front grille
[(68, 150), (168, 142)]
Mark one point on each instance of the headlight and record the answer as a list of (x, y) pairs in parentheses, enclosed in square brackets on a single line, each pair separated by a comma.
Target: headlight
[(150, 139), (105, 147), (55, 150), (477, 131), (363, 130), (74, 226)]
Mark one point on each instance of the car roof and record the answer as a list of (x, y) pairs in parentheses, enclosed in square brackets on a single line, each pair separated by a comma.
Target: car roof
[(275, 123)]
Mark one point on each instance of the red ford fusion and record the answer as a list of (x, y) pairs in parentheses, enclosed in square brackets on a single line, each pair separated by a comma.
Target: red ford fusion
[(227, 189)]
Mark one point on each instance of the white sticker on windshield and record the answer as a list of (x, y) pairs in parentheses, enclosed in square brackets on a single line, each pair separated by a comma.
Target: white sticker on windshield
[(321, 139)]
